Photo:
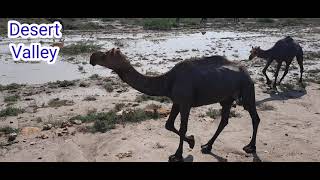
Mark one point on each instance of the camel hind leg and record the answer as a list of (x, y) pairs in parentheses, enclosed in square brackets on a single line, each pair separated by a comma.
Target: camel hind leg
[(226, 106), (249, 104), (300, 62)]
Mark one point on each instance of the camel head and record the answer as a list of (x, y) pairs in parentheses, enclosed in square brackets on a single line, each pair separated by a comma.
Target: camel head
[(112, 59), (254, 52)]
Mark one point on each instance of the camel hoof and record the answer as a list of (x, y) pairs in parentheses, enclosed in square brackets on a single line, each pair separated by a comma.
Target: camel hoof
[(175, 158), (249, 149), (206, 149), (191, 141)]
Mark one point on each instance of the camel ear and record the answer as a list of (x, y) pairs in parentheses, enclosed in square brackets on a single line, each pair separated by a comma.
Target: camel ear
[(112, 51)]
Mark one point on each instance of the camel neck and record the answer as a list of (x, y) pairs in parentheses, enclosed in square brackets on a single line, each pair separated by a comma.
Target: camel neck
[(153, 86), (264, 54)]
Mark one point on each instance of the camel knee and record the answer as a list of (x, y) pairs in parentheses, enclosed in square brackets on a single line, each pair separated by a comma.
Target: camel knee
[(182, 131), (224, 123), (169, 126), (256, 121)]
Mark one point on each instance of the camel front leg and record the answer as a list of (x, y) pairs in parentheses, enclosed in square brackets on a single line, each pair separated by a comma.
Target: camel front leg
[(184, 112), (276, 74), (170, 125), (285, 72), (264, 71)]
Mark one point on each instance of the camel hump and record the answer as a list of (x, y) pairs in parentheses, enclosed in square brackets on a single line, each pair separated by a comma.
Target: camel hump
[(288, 38)]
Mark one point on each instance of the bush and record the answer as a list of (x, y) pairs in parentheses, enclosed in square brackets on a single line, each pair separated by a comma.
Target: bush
[(159, 23), (145, 97), (13, 98), (82, 47), (12, 86), (10, 111), (8, 130)]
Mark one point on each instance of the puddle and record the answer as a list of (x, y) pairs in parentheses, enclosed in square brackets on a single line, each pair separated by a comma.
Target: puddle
[(149, 49)]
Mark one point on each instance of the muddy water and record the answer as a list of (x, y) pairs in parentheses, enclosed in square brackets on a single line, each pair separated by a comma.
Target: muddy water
[(149, 49)]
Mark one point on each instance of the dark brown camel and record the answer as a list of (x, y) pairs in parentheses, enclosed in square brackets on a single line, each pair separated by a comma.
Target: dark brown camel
[(284, 50), (191, 83)]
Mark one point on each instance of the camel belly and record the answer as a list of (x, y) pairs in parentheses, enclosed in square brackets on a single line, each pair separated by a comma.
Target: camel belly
[(217, 94)]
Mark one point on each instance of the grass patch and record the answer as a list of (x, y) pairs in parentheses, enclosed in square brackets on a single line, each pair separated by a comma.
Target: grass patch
[(84, 84), (56, 102), (151, 73), (159, 23), (286, 87), (215, 113), (10, 111), (233, 113), (108, 86), (8, 130), (137, 64), (91, 117), (313, 79), (90, 25), (119, 106), (94, 76), (138, 115), (63, 83), (190, 21), (313, 71), (266, 107), (292, 21), (265, 20), (89, 98), (145, 97), (311, 55), (105, 121), (13, 98), (78, 48), (83, 26), (12, 86)]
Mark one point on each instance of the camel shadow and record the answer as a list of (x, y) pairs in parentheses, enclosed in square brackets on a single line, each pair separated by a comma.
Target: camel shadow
[(256, 158), (189, 158), (282, 96), (219, 158)]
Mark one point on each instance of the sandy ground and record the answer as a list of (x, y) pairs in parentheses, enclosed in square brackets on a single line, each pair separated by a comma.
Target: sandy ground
[(288, 132)]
